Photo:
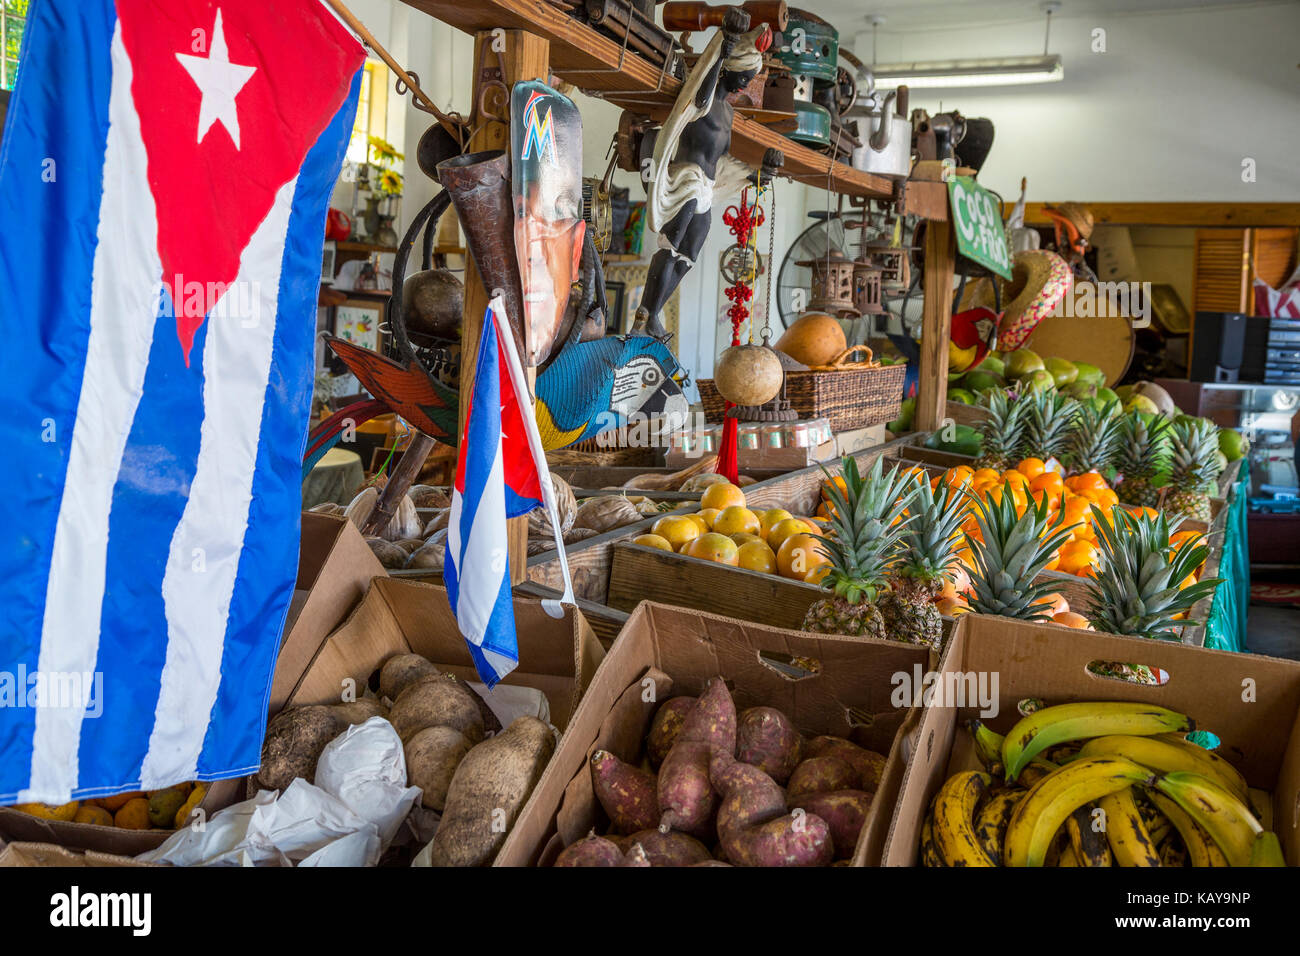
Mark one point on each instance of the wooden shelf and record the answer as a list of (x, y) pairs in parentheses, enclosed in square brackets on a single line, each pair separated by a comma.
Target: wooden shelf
[(591, 61), (350, 246), (1191, 214)]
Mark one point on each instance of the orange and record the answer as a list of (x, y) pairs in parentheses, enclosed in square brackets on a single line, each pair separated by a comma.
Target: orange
[(1088, 480), (815, 574), (951, 607), (700, 523), (799, 554), (653, 541), (713, 547), (755, 555), (986, 474), (1053, 604), (837, 481), (1031, 467), (1049, 482), (709, 515), (771, 517), (1077, 555), (1107, 499), (1014, 478), (777, 534), (677, 530), (1055, 563), (744, 537), (721, 495), (1072, 619), (735, 519)]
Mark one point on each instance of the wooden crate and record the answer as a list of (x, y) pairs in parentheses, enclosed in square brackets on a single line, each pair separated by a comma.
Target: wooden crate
[(964, 414)]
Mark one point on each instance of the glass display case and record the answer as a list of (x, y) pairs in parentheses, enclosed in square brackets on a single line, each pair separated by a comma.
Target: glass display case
[(1266, 415)]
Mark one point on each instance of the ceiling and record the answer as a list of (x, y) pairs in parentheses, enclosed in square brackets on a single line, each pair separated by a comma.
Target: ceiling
[(853, 16)]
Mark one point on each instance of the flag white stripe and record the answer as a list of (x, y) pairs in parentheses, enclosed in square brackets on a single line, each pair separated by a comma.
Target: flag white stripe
[(123, 313), (483, 550), (208, 541)]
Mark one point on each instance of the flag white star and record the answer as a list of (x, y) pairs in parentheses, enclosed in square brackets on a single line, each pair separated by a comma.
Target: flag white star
[(219, 81)]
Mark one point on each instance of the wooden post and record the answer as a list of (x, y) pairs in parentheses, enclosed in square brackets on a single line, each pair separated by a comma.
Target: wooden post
[(526, 57), (936, 322)]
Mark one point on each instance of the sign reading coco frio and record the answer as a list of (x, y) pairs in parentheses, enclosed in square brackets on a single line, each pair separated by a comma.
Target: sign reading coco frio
[(977, 221)]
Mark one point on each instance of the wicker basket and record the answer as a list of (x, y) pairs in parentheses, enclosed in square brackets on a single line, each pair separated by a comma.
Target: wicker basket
[(850, 394)]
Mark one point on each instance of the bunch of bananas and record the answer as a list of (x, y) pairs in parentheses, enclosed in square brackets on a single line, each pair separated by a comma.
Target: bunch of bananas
[(1095, 784)]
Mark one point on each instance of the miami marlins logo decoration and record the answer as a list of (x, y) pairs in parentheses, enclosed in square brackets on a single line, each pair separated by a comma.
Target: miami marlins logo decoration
[(539, 136)]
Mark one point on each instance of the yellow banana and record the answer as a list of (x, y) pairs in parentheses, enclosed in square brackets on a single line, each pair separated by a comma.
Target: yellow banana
[(1226, 819), (929, 855), (991, 822), (1266, 850), (988, 745), (1068, 857), (1036, 771), (1044, 809), (1195, 841), (1173, 854), (1129, 839), (1163, 754), (954, 819), (1089, 845), (1055, 725)]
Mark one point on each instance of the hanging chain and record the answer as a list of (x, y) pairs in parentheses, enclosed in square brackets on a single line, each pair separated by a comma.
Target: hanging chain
[(771, 263)]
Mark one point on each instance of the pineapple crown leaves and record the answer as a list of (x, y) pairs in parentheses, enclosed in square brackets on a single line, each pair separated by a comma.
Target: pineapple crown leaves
[(1049, 418), (1015, 550), (867, 521), (1002, 429), (1094, 440), (1193, 463), (1144, 450), (928, 543), (1136, 589)]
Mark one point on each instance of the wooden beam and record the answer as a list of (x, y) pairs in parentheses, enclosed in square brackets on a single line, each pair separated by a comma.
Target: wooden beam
[(525, 58), (936, 322), (592, 61), (1190, 214)]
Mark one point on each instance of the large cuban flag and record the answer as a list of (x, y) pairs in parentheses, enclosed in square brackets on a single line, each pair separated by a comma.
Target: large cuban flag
[(501, 473), (164, 178)]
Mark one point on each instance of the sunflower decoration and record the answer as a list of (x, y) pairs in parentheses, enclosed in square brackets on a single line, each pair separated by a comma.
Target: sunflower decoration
[(390, 182), (383, 156)]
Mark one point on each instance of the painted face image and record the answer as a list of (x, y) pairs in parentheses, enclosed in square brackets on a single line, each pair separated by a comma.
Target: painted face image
[(548, 240)]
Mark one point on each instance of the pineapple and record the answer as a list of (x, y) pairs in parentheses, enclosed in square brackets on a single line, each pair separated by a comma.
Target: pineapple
[(1094, 442), (1143, 453), (1049, 419), (1136, 590), (926, 562), (1014, 551), (1193, 468), (1001, 430), (867, 520)]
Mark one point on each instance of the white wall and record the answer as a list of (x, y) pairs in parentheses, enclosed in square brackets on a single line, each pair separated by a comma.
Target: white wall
[(1167, 113)]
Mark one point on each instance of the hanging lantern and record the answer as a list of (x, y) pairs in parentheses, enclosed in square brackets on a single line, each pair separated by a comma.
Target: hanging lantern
[(866, 289), (891, 260), (832, 285)]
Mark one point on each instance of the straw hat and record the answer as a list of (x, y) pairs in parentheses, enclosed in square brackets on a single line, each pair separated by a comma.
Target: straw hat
[(1039, 280), (1076, 214)]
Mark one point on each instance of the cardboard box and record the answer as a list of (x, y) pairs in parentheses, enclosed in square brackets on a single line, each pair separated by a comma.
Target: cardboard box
[(557, 656), (18, 826), (47, 854), (335, 566), (859, 439), (1261, 737), (678, 651)]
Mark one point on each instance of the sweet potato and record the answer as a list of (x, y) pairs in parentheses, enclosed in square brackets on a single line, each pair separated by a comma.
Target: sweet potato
[(432, 756), (635, 857), (713, 863), (591, 850), (670, 849), (294, 741), (487, 792), (401, 671), (686, 798), (665, 726), (628, 793), (822, 775), (712, 720), (767, 738), (439, 700), (845, 811), (868, 764), (753, 826)]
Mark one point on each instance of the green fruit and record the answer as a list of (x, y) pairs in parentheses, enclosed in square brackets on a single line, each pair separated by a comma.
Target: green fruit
[(993, 364), (1090, 374), (1107, 395), (1083, 391), (906, 413), (1022, 362), (962, 440), (980, 380), (1040, 380), (1222, 459), (1123, 392), (1142, 404), (163, 806), (961, 395), (1233, 444), (1063, 370)]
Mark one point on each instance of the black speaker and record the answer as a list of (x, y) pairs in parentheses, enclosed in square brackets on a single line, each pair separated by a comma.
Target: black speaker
[(1218, 347)]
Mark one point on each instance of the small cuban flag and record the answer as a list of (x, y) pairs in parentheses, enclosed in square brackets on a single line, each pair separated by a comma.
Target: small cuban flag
[(501, 473)]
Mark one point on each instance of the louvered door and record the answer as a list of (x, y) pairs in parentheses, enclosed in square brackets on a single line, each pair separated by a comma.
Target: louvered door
[(1221, 270)]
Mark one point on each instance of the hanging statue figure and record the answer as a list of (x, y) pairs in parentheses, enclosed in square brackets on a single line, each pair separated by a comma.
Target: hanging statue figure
[(691, 163)]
